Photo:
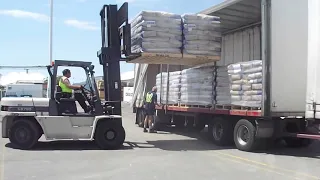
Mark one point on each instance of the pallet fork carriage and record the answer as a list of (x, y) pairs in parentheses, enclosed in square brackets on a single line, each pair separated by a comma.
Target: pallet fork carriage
[(25, 120)]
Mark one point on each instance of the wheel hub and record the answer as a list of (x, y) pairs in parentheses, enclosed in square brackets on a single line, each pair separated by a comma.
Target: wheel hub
[(217, 131), (110, 135), (21, 135), (243, 135)]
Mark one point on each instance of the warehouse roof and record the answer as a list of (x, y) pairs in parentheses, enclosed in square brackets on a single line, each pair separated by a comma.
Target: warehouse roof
[(236, 13)]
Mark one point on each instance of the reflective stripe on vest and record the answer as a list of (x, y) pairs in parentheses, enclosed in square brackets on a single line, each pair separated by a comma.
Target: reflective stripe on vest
[(64, 88), (149, 97)]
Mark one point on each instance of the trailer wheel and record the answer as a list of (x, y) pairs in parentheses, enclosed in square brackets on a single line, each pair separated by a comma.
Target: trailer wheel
[(24, 134), (109, 135), (244, 135), (297, 142), (220, 131)]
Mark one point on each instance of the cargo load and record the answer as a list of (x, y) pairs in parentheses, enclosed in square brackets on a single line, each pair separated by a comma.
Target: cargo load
[(201, 35), (222, 86), (163, 32), (196, 86), (172, 88), (246, 83), (156, 32)]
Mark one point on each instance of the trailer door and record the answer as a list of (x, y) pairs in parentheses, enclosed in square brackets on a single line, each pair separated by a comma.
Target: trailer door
[(313, 61)]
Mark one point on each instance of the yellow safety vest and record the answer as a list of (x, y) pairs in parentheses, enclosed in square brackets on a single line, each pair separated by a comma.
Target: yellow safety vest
[(64, 88), (149, 97)]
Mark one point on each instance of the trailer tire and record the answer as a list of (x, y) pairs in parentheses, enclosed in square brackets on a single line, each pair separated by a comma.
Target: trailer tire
[(24, 134), (220, 131), (297, 142), (113, 140), (245, 128)]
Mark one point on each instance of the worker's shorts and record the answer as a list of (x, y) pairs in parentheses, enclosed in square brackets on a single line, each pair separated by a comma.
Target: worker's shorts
[(150, 111)]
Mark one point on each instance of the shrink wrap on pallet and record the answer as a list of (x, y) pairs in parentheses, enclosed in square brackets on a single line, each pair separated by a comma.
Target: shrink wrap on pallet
[(173, 87), (157, 32), (222, 86), (201, 35), (197, 86), (246, 83)]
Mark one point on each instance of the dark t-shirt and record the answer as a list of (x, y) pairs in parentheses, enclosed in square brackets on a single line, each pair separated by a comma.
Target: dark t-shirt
[(152, 105)]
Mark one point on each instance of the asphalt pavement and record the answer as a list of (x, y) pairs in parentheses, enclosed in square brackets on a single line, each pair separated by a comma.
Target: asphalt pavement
[(170, 154)]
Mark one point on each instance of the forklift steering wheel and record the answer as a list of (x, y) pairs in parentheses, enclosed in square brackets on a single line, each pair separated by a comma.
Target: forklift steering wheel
[(85, 89)]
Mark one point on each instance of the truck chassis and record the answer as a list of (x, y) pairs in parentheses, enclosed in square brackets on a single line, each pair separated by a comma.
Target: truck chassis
[(247, 129)]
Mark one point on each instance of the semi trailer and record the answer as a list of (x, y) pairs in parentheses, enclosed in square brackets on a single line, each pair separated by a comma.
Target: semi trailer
[(285, 35)]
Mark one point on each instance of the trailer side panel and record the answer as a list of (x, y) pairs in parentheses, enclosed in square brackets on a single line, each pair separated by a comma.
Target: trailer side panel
[(289, 52)]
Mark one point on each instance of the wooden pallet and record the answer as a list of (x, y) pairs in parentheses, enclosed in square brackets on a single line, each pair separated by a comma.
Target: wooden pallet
[(195, 106), (176, 105), (172, 59), (234, 107), (222, 106), (205, 59)]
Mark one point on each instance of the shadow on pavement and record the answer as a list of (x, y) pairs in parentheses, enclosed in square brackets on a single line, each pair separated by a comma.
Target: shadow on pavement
[(185, 145), (279, 148), (202, 142), (75, 146), (199, 141)]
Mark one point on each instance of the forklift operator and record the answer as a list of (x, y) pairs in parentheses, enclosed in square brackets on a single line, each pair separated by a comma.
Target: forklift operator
[(67, 88)]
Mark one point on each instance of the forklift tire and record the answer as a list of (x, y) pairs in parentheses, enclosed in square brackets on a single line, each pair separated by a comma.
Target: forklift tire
[(24, 134), (110, 135), (297, 142)]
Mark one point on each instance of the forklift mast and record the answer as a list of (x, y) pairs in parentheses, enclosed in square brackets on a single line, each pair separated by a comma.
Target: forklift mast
[(116, 42)]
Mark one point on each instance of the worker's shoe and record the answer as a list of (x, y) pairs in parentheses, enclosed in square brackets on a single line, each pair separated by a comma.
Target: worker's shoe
[(145, 130)]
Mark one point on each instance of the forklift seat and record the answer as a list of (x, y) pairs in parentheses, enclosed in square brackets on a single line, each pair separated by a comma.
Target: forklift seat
[(61, 97), (65, 105)]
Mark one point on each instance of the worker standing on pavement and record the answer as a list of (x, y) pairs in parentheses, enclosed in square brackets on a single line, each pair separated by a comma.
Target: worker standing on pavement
[(150, 108), (67, 88)]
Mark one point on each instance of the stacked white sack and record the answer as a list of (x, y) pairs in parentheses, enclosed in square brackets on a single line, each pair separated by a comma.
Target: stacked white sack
[(158, 32), (197, 86), (222, 86), (173, 90), (246, 83), (201, 35)]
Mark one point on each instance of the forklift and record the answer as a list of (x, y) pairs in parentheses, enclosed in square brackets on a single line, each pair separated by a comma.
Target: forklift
[(25, 120)]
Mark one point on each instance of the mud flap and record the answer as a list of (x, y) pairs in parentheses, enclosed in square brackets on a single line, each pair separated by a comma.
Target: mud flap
[(265, 128)]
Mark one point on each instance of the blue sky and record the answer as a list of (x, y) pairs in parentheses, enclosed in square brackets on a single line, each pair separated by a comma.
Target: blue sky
[(24, 36)]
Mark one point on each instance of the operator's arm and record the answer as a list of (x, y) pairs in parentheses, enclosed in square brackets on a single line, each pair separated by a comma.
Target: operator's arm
[(67, 83)]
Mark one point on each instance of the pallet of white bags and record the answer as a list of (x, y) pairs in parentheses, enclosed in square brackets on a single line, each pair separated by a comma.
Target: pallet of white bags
[(171, 59)]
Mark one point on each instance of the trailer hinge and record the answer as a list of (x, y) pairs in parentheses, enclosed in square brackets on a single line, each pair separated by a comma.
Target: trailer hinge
[(314, 106)]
